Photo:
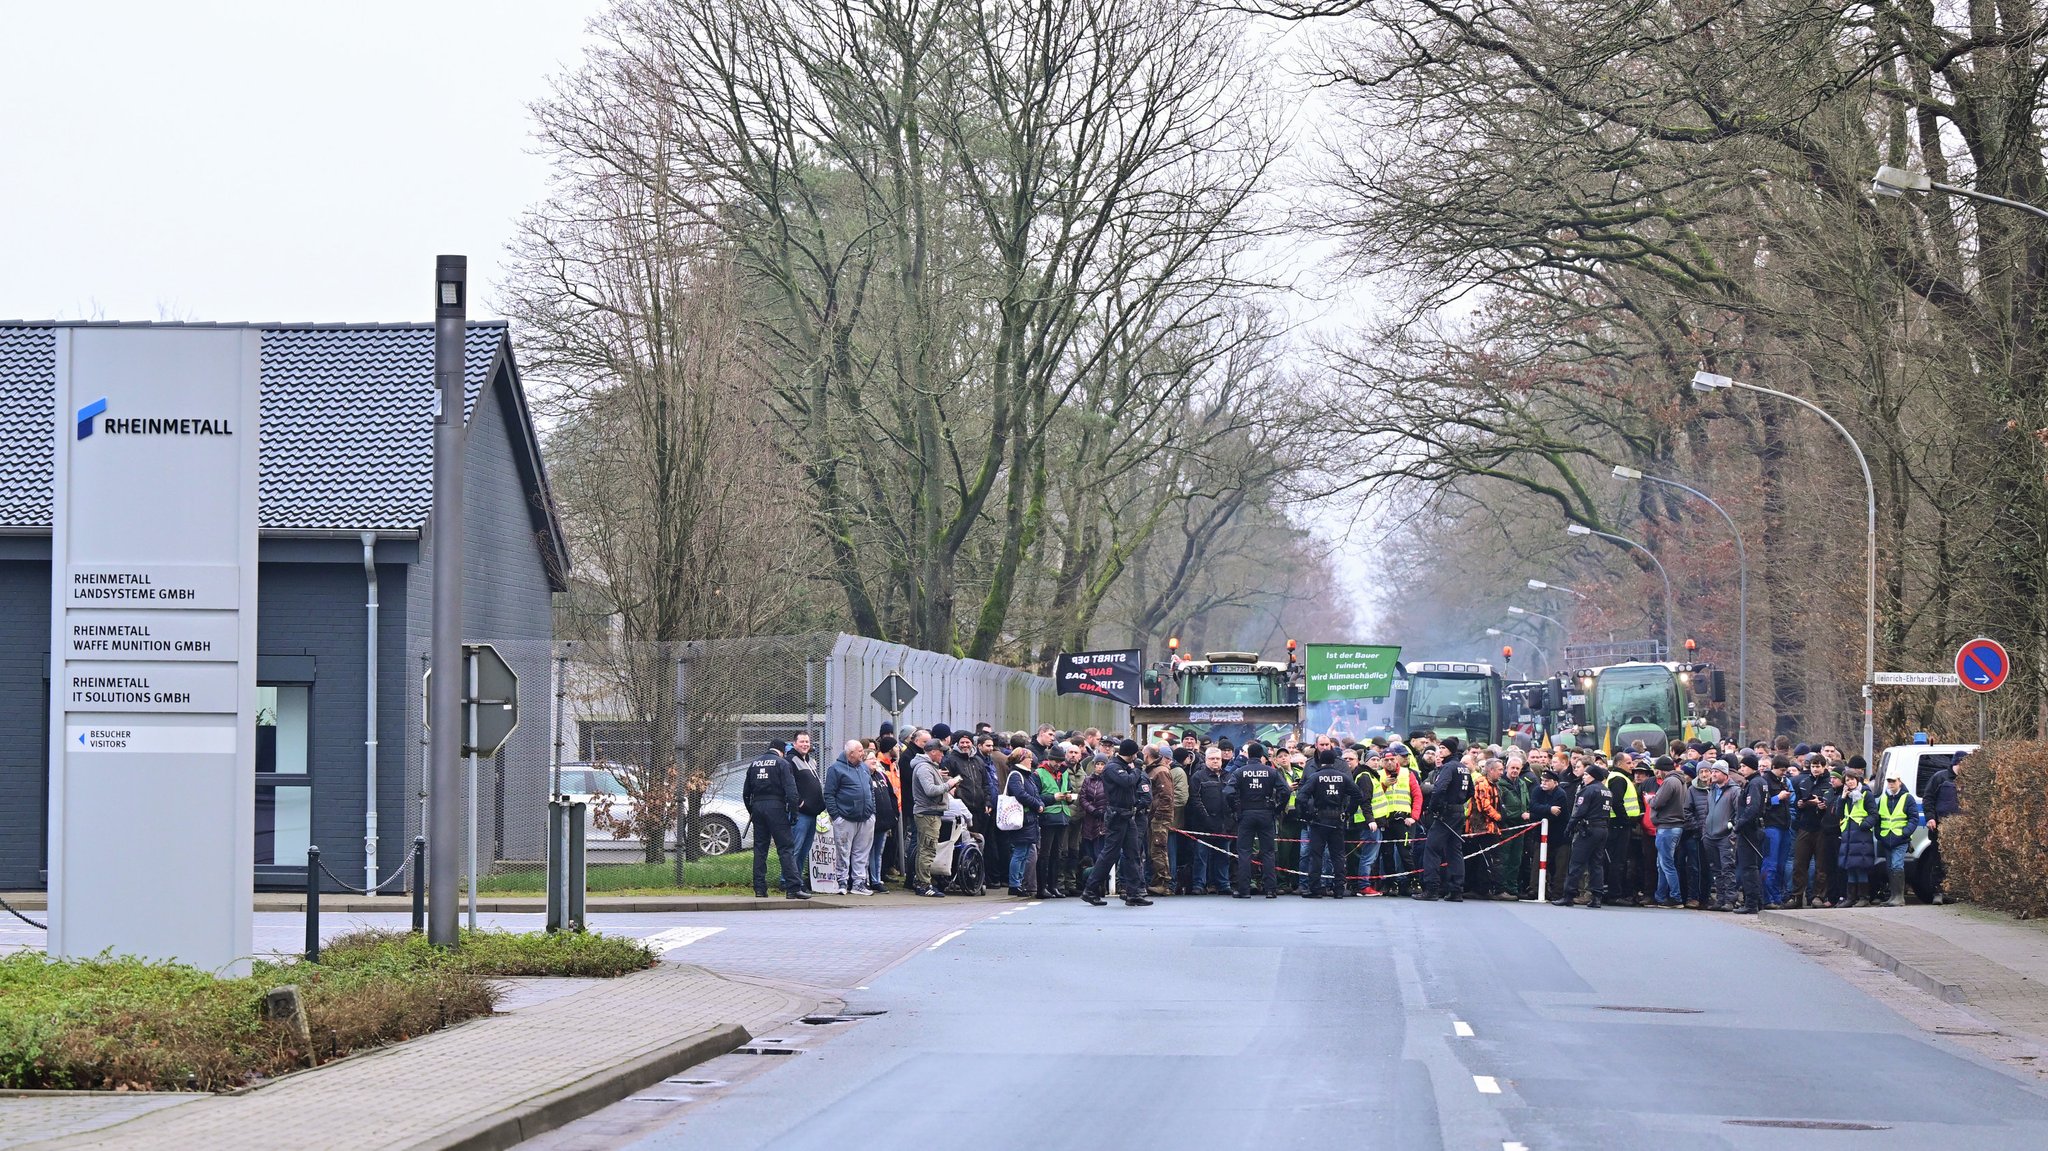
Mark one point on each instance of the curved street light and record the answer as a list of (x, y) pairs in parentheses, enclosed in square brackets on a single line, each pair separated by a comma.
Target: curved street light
[(1742, 594), (1714, 381), (1896, 182), (1537, 615), (1670, 605), (1539, 585)]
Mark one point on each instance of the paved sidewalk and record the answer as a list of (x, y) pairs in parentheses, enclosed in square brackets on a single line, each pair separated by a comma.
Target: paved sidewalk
[(551, 1061), (34, 902), (1995, 965)]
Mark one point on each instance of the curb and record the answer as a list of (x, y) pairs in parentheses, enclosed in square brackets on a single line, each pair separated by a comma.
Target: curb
[(1858, 945), (565, 1105)]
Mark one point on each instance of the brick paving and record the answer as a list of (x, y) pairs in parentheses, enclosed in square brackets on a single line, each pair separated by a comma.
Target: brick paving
[(1997, 965), (434, 1085)]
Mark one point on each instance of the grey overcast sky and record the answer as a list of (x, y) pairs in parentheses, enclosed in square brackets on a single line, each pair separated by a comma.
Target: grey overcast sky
[(267, 161)]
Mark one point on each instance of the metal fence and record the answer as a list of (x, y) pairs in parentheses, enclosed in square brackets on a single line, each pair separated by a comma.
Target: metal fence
[(653, 736)]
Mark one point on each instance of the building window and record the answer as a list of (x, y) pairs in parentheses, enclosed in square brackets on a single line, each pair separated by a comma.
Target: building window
[(284, 787)]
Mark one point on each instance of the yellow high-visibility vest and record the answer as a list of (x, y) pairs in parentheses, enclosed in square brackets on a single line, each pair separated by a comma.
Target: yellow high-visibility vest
[(1392, 799), (1890, 821), (1629, 804)]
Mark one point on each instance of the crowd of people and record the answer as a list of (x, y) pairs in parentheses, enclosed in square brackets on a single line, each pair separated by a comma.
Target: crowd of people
[(1709, 827)]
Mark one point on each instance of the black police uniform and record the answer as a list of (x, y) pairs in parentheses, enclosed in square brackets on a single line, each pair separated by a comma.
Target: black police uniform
[(1443, 852), (1256, 792), (1591, 811), (1120, 784), (1326, 800), (770, 796)]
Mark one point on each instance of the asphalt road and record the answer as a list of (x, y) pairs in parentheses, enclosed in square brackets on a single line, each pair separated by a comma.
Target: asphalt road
[(1211, 1022)]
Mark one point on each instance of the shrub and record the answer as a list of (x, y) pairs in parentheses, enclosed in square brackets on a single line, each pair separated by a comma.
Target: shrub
[(116, 1024), (1997, 848)]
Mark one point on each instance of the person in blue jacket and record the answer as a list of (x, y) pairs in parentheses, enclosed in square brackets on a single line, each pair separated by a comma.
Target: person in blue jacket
[(850, 801)]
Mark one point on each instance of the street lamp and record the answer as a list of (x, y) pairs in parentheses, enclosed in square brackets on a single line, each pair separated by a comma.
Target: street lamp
[(1896, 182), (1537, 615), (1713, 381), (1542, 655), (1670, 604), (1742, 594), (1539, 585)]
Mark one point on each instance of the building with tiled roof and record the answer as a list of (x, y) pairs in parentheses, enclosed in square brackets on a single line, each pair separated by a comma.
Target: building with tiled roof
[(345, 474)]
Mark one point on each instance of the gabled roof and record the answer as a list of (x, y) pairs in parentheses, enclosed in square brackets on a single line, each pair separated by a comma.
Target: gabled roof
[(346, 425)]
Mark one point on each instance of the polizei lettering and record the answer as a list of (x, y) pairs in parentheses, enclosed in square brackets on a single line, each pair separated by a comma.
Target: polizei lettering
[(151, 426)]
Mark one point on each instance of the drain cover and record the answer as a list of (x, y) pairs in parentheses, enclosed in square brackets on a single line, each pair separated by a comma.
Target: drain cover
[(696, 1082), (768, 1051), (824, 1020), (1806, 1124), (863, 1014), (1653, 1010)]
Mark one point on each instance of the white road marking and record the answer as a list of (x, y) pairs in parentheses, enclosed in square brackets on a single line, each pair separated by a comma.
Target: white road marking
[(1033, 903), (1513, 1147), (948, 937), (663, 942), (1013, 911), (1486, 1084), (1461, 1029)]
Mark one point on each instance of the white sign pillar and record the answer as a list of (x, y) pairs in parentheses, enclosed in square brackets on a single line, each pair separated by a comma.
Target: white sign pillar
[(153, 645)]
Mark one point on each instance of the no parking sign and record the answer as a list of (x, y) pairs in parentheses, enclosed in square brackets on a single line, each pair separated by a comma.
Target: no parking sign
[(1982, 665)]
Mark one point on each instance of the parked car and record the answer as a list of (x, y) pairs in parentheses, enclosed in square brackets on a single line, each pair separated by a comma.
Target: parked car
[(722, 825)]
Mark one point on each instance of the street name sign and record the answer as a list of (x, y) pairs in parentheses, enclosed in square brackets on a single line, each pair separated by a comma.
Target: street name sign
[(1915, 679), (1982, 665), (152, 804)]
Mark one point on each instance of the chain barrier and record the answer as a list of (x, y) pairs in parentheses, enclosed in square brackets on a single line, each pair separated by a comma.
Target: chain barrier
[(1519, 830), (18, 915), (404, 869)]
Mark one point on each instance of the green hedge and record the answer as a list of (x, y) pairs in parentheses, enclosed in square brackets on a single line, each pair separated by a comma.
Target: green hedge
[(1997, 848), (125, 1024)]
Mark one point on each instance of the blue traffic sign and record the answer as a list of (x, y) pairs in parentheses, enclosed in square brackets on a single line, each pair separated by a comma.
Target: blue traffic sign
[(1982, 665)]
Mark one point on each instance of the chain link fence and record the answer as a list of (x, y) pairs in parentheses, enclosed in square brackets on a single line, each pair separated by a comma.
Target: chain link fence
[(652, 738)]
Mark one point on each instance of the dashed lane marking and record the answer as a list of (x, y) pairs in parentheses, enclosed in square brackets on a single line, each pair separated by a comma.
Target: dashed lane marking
[(1461, 1029), (1486, 1084), (948, 937)]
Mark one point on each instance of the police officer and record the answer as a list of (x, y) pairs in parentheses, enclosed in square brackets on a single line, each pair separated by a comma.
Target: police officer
[(1591, 812), (1255, 794), (1443, 814), (1121, 781), (1325, 801), (770, 795)]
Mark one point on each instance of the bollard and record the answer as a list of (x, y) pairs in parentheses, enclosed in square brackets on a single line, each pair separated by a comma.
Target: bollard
[(419, 884), (1543, 862), (312, 905)]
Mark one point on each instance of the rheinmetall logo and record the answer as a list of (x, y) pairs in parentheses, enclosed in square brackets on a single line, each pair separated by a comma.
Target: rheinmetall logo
[(86, 413), (147, 426)]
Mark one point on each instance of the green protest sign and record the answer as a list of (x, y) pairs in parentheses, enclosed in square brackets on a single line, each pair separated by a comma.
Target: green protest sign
[(1349, 671)]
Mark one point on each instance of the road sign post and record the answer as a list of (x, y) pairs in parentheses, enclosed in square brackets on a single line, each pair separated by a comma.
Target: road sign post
[(490, 713), (1981, 666), (894, 693)]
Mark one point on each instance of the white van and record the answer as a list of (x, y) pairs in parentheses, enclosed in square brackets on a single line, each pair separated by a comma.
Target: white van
[(1916, 765)]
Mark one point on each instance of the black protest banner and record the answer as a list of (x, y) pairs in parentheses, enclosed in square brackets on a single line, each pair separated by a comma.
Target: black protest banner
[(1112, 675)]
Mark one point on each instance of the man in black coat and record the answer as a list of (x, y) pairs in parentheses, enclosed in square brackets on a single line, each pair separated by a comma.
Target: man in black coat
[(1122, 781), (1325, 800), (1592, 811), (771, 798), (1255, 792), (1749, 837), (1443, 811)]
